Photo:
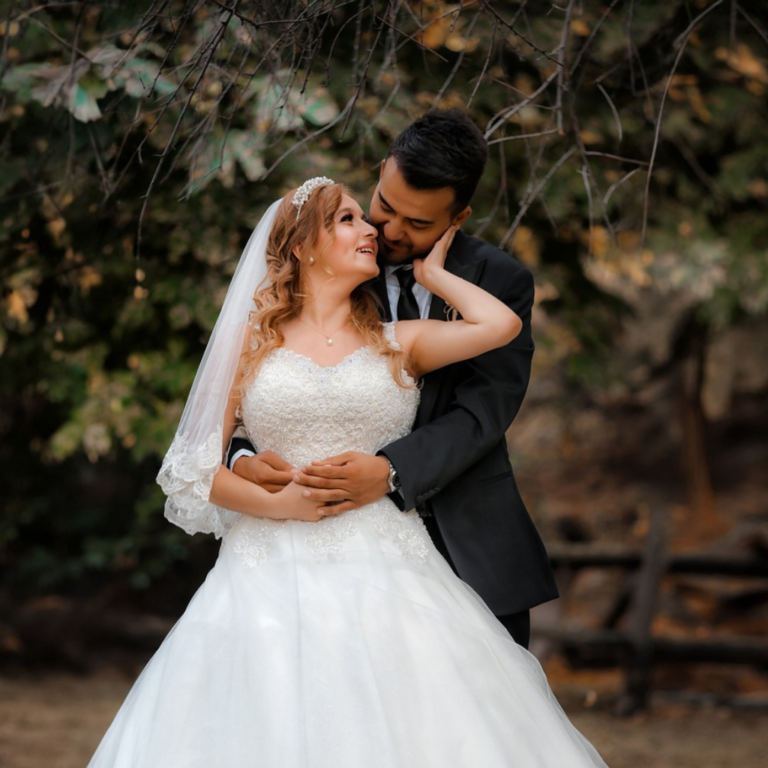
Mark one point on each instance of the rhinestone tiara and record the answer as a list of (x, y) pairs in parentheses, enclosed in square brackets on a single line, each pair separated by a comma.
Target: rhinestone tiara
[(306, 189)]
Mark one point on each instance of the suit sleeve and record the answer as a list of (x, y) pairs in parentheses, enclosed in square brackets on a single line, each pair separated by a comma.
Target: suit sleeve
[(485, 403), (239, 446)]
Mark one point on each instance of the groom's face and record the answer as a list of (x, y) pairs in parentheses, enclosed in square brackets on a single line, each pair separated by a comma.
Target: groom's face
[(410, 221)]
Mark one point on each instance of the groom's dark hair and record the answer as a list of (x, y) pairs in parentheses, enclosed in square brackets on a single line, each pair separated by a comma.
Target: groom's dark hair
[(444, 148)]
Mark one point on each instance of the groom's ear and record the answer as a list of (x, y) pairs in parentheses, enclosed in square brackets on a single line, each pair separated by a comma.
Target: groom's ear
[(381, 167), (461, 216)]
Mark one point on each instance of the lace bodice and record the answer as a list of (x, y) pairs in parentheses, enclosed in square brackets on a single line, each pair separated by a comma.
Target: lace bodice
[(304, 411)]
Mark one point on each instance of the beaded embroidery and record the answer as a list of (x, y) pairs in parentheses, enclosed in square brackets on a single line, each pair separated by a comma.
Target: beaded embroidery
[(303, 411)]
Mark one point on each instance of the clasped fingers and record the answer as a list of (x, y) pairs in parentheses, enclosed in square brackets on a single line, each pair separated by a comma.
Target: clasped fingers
[(319, 481), (318, 495)]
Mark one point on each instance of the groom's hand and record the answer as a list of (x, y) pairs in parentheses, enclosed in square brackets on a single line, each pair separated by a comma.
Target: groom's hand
[(266, 469), (347, 481)]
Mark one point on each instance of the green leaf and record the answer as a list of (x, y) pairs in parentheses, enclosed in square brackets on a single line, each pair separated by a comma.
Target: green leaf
[(21, 81), (318, 108), (246, 148), (82, 99)]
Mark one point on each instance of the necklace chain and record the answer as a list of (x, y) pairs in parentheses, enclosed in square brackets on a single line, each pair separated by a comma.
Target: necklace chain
[(328, 339)]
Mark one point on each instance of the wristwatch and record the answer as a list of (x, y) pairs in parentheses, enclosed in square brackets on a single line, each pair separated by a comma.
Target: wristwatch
[(393, 479)]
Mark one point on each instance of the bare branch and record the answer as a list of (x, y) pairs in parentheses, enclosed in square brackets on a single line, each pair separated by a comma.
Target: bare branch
[(500, 195), (211, 48), (593, 153), (682, 38), (657, 132), (510, 26), (562, 72), (586, 178), (341, 116), (613, 109), (753, 23), (491, 46), (495, 123), (616, 185), (532, 197), (592, 35), (459, 60), (523, 136)]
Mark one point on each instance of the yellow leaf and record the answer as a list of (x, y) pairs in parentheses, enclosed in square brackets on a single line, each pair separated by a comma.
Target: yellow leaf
[(598, 240), (699, 107), (743, 61), (88, 278), (56, 227), (11, 30), (590, 137), (578, 27), (758, 188), (525, 246), (457, 43), (16, 307), (435, 35)]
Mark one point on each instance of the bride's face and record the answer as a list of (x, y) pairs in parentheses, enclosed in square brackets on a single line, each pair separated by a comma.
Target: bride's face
[(351, 250)]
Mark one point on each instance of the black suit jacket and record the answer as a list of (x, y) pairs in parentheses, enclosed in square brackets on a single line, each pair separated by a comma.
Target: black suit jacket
[(455, 462)]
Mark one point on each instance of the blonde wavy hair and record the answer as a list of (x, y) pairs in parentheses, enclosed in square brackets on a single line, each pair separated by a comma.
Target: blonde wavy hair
[(283, 298)]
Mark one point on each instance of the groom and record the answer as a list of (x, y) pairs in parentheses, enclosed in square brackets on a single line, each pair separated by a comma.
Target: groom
[(454, 467)]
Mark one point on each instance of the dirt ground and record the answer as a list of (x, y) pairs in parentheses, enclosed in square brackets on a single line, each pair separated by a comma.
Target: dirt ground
[(55, 720)]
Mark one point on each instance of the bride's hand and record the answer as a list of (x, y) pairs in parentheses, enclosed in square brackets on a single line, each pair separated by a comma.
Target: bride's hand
[(291, 504), (423, 269)]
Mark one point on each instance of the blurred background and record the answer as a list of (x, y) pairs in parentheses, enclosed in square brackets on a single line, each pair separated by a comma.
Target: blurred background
[(139, 143)]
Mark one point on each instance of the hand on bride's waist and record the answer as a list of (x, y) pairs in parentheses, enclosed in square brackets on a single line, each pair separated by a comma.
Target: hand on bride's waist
[(344, 482), (334, 485)]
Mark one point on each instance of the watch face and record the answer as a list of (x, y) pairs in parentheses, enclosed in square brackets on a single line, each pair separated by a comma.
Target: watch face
[(393, 479)]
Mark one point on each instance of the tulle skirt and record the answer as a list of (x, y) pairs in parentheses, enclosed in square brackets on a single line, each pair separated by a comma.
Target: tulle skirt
[(362, 659)]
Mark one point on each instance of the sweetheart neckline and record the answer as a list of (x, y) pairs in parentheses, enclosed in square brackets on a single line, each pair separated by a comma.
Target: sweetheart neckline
[(341, 362)]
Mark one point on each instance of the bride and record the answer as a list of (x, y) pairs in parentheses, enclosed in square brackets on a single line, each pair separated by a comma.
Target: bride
[(325, 640)]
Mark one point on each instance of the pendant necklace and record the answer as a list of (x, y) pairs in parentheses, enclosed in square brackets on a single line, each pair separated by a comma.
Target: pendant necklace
[(328, 339)]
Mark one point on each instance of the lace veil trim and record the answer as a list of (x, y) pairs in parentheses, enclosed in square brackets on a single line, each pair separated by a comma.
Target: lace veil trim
[(186, 478)]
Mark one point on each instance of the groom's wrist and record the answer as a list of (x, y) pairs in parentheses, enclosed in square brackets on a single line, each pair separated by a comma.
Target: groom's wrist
[(394, 492), (393, 479)]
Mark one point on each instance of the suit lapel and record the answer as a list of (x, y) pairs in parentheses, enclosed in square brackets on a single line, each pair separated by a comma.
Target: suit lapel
[(459, 261)]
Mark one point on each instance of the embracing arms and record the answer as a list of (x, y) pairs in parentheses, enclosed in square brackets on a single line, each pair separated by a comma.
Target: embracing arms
[(488, 391)]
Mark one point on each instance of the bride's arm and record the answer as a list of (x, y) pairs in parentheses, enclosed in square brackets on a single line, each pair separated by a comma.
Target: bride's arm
[(487, 322)]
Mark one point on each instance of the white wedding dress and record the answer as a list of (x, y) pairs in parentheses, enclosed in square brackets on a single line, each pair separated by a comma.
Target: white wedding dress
[(347, 643)]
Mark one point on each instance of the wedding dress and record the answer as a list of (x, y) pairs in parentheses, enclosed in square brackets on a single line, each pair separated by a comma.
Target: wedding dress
[(346, 643)]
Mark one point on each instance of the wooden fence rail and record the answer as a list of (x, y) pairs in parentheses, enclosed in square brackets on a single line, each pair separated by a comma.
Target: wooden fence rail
[(634, 647)]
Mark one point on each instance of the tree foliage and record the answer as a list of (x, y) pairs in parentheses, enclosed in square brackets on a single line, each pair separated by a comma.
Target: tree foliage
[(139, 142)]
